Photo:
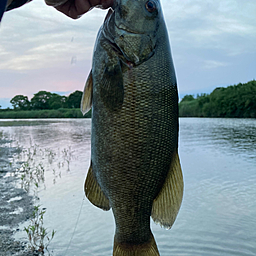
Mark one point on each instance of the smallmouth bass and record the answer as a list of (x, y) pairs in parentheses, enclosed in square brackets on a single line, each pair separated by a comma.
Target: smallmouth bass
[(132, 89)]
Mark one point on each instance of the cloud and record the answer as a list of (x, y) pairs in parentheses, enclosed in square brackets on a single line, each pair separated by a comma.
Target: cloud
[(212, 24), (42, 49), (37, 36), (213, 44), (214, 64)]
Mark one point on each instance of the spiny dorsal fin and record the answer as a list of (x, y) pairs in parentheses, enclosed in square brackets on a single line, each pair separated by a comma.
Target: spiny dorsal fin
[(94, 193), (86, 102), (167, 203)]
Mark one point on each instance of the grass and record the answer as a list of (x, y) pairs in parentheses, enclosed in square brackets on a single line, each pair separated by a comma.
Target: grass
[(36, 161), (38, 236), (47, 113)]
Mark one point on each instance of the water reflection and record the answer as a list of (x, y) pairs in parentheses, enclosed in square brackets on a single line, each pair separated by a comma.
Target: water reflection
[(218, 159), (233, 135), (218, 214)]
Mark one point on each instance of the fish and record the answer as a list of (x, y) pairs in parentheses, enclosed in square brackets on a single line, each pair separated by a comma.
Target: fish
[(132, 91)]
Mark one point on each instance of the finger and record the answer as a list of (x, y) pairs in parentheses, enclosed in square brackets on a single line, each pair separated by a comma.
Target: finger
[(64, 8), (95, 2), (107, 3), (74, 9), (82, 6), (55, 3)]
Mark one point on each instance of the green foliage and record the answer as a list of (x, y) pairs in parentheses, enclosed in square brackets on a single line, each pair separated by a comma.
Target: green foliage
[(20, 102), (188, 98), (56, 101), (74, 99), (188, 108), (234, 101), (48, 113), (44, 100), (41, 100), (38, 236)]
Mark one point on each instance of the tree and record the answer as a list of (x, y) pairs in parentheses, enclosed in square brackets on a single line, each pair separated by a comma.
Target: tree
[(233, 101), (20, 102), (41, 100), (187, 98), (74, 99), (57, 101)]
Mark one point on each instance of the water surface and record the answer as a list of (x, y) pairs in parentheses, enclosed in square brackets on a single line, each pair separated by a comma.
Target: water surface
[(218, 213)]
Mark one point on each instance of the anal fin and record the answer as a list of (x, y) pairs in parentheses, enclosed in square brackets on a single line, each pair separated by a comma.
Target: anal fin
[(167, 203), (94, 193)]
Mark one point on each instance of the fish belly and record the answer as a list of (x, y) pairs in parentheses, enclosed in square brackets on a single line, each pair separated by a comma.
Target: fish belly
[(132, 147)]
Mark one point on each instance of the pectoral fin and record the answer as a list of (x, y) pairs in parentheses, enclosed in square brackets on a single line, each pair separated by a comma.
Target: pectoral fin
[(94, 193), (112, 89), (167, 204), (86, 102)]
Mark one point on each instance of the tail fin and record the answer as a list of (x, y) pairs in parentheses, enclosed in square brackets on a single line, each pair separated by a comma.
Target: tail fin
[(146, 249)]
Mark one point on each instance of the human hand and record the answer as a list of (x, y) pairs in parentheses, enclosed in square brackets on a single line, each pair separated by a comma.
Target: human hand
[(76, 8)]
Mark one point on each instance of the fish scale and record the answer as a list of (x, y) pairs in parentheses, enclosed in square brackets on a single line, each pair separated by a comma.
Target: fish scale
[(135, 165)]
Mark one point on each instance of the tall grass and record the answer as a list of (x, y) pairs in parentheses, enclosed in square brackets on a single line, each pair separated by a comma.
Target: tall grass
[(49, 113)]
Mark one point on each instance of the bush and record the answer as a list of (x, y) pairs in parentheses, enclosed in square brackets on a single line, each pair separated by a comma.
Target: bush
[(49, 113), (234, 101)]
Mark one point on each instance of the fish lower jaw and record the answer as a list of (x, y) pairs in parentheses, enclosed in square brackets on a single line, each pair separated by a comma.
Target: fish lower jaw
[(125, 29)]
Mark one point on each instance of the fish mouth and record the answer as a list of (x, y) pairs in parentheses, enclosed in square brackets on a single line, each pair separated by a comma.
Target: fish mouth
[(123, 47), (132, 46), (121, 26)]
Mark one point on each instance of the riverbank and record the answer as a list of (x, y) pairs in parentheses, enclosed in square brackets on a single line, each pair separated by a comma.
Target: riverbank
[(237, 101), (47, 113), (15, 204)]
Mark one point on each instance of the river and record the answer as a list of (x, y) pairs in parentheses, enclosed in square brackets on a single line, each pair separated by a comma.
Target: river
[(218, 212)]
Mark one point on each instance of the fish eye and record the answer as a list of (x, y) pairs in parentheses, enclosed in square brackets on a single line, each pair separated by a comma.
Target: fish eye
[(150, 6)]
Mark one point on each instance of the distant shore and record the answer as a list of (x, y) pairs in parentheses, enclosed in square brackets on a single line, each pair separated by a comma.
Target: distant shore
[(236, 101), (46, 113)]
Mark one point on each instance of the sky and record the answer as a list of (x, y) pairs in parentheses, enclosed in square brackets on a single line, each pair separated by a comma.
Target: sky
[(213, 45)]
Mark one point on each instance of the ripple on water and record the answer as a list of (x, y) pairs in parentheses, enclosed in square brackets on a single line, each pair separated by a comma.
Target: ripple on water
[(218, 213), (206, 244), (16, 198)]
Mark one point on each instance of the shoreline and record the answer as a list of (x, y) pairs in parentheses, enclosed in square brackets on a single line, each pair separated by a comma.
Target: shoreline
[(16, 206), (46, 113)]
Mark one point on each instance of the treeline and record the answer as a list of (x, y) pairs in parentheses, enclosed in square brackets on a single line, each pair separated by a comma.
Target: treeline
[(234, 101), (45, 105), (47, 113), (46, 100)]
